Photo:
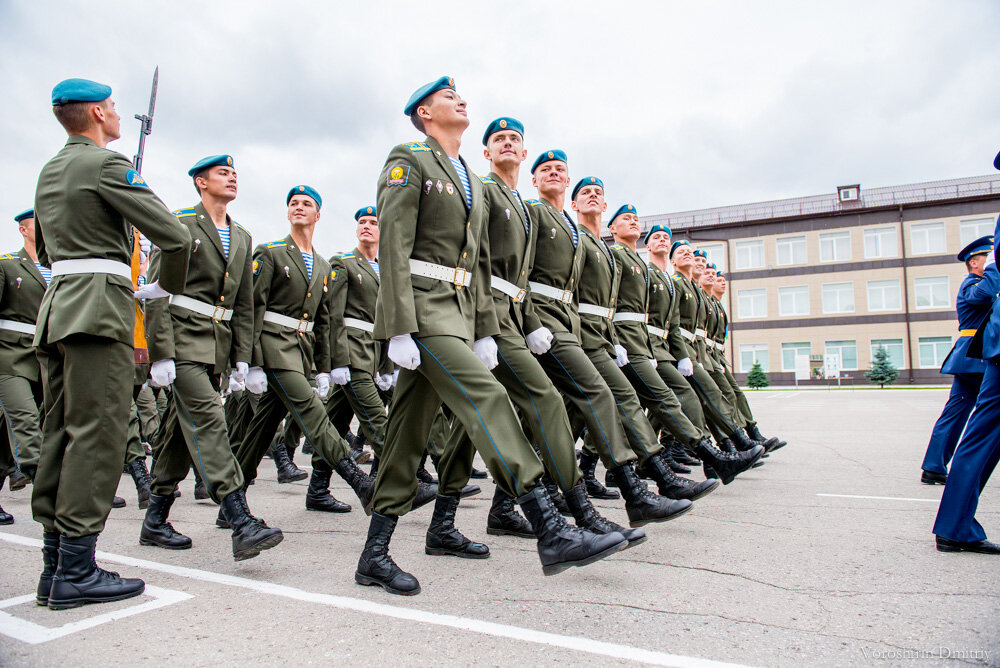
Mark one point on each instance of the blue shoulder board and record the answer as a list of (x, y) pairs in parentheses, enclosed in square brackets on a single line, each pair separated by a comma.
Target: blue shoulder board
[(417, 146), (617, 246), (180, 213), (9, 256), (487, 179), (275, 244), (344, 256), (532, 202), (240, 226)]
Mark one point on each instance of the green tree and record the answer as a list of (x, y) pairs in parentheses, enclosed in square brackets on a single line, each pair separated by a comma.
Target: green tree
[(757, 378), (882, 371)]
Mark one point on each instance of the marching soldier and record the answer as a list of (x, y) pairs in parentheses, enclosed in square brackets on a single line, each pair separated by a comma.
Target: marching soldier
[(85, 201), (433, 303)]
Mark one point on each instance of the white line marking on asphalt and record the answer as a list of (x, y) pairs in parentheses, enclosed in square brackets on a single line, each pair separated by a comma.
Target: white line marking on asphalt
[(879, 498), (34, 634), (575, 643)]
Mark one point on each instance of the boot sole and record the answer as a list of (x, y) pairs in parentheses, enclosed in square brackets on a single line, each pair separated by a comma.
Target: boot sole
[(705, 492), (368, 582), (254, 550), (605, 497), (477, 490), (643, 522), (151, 543), (442, 552), (555, 569), (633, 543), (294, 478), (329, 510), (505, 532), (69, 603), (362, 458), (728, 479)]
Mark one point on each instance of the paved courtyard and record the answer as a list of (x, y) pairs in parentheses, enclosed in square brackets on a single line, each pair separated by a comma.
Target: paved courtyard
[(824, 556)]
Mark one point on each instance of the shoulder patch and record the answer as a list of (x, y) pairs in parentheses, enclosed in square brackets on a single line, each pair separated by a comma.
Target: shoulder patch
[(275, 244), (134, 179), (181, 213), (532, 202), (487, 179), (256, 267), (417, 146), (617, 246), (333, 274), (398, 175)]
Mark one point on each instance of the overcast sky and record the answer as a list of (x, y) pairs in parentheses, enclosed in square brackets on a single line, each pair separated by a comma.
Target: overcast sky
[(676, 106)]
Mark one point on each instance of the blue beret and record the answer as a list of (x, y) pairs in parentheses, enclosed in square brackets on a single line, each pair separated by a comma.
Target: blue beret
[(305, 190), (79, 90), (653, 230), (29, 213), (624, 208), (701, 253), (980, 245), (364, 211), (503, 123), (211, 161), (424, 91), (996, 161), (676, 244), (548, 156), (585, 181), (720, 274), (711, 265)]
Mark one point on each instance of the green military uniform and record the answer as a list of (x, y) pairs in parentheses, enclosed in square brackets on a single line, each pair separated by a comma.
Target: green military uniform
[(707, 321), (21, 289), (425, 217), (558, 264), (202, 346), (716, 340), (86, 202)]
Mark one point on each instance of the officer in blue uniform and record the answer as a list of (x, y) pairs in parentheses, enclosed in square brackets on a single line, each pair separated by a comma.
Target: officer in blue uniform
[(973, 308)]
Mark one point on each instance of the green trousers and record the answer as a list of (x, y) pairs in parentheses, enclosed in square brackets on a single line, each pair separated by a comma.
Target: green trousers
[(87, 393), (639, 432), (441, 428), (239, 409), (718, 413), (685, 394), (133, 444), (659, 400), (742, 404), (194, 430), (361, 394), (543, 416), (149, 414), (20, 400), (450, 373), (729, 396)]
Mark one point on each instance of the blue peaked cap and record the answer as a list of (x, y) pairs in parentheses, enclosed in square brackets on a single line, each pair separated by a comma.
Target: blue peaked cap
[(653, 230), (79, 90), (977, 247), (503, 123), (305, 190), (365, 211), (424, 91), (30, 213), (548, 156), (585, 181), (211, 161)]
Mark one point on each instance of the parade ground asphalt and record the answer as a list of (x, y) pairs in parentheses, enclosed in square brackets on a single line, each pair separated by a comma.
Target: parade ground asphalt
[(824, 556)]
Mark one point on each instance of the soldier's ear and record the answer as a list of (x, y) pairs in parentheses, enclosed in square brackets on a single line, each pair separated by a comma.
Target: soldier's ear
[(572, 205), (486, 154)]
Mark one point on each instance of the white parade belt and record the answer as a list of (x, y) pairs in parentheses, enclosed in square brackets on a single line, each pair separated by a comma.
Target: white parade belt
[(626, 316), (599, 311), (458, 276), (700, 332), (14, 326), (565, 296), (686, 334), (656, 331), (216, 313), (506, 287), (91, 266), (291, 323), (359, 324)]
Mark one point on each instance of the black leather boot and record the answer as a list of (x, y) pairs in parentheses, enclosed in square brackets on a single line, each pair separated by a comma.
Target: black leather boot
[(376, 567), (156, 530), (118, 502), (287, 471), (588, 464), (425, 494), (362, 484), (200, 491), (667, 442), (587, 517), (561, 546), (5, 517), (773, 443), (478, 475), (643, 506), (18, 480), (422, 474), (140, 476), (726, 465), (725, 445), (357, 443), (504, 519), (318, 496), (373, 472), (682, 455), (470, 490), (78, 580), (743, 442), (442, 536), (672, 486), (50, 561), (250, 534), (555, 495)]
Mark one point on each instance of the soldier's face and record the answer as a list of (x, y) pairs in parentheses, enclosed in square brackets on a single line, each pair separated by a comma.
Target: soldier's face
[(589, 199), (707, 278), (659, 242), (682, 257), (110, 120), (505, 149), (626, 227), (445, 108), (302, 210), (720, 286), (368, 229), (220, 182), (27, 229), (551, 177)]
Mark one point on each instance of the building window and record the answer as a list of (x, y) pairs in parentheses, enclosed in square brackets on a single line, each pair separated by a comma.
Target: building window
[(880, 242), (883, 295), (793, 300), (848, 351), (932, 292), (970, 230), (838, 298), (933, 350), (789, 351), (834, 246), (716, 254), (753, 352), (752, 303), (750, 254), (791, 250), (892, 346), (927, 238)]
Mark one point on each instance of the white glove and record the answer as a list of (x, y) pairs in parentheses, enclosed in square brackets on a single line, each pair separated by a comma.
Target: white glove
[(322, 385), (621, 355), (384, 381), (151, 291), (162, 373), (653, 362), (486, 350), (235, 385), (256, 380), (539, 341), (341, 375), (685, 367), (240, 372), (404, 352), (395, 377), (990, 259), (144, 247)]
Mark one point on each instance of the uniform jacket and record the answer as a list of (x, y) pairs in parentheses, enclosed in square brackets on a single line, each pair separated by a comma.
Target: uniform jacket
[(688, 308), (281, 285), (598, 285), (719, 325), (557, 263), (85, 203), (633, 297), (423, 215), (664, 312), (177, 333), (354, 287), (705, 320), (973, 304), (21, 289)]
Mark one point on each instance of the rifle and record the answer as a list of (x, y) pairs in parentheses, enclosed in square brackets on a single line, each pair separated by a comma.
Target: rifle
[(139, 337), (147, 122)]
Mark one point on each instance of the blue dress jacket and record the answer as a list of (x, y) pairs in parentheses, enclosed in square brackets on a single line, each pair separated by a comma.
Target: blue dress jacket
[(973, 306)]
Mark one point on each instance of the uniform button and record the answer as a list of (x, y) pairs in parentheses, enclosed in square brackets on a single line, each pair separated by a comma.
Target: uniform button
[(305, 315), (468, 224), (227, 274), (464, 254), (222, 298), (309, 294)]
